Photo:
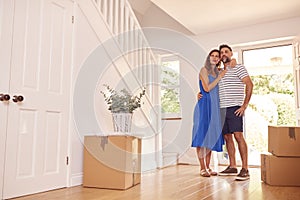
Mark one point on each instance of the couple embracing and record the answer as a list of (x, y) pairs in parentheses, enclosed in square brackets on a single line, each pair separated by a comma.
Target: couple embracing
[(218, 116)]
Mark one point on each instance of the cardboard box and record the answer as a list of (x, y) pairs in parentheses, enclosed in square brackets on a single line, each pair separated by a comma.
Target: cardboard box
[(280, 171), (112, 162), (284, 141)]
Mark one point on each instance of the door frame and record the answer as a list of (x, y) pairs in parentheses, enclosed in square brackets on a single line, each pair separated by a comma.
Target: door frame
[(296, 64)]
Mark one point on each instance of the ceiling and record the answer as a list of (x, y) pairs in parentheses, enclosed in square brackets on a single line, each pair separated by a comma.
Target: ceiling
[(203, 16)]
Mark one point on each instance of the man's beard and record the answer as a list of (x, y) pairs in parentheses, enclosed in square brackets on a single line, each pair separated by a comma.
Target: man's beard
[(225, 59)]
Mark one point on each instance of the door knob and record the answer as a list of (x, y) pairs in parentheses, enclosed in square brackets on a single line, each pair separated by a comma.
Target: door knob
[(17, 98), (4, 97)]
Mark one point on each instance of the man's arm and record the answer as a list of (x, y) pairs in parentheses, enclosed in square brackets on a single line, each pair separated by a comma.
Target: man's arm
[(199, 95), (249, 87)]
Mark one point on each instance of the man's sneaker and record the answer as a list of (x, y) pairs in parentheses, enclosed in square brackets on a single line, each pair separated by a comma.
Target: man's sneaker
[(229, 171), (243, 175)]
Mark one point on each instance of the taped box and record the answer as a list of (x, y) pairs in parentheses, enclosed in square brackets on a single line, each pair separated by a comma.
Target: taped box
[(280, 171), (112, 162), (284, 141)]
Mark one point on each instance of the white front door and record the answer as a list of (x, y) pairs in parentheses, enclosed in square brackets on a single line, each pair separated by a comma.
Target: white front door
[(6, 18), (40, 71)]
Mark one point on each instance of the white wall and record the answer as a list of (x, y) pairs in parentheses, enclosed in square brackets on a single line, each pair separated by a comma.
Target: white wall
[(92, 39), (266, 31), (176, 134), (88, 35), (84, 41), (155, 17)]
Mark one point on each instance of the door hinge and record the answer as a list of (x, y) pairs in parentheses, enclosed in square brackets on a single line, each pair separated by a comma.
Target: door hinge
[(73, 19), (67, 160)]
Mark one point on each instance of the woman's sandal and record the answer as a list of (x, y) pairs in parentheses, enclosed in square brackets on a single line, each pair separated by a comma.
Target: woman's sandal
[(212, 173), (204, 173)]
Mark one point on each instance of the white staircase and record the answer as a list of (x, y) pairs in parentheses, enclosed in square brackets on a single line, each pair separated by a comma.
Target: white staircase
[(123, 24)]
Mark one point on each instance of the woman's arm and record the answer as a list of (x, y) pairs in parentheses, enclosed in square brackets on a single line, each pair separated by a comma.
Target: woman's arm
[(205, 81)]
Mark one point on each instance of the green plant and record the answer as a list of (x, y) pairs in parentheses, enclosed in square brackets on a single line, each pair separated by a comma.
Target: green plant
[(123, 101)]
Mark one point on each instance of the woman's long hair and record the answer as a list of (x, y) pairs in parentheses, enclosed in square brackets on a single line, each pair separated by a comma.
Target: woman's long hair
[(207, 64)]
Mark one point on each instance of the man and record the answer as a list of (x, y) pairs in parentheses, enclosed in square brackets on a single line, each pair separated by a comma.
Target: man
[(234, 99)]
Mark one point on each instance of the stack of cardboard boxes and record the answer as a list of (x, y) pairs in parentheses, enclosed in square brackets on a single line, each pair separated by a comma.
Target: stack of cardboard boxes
[(281, 167)]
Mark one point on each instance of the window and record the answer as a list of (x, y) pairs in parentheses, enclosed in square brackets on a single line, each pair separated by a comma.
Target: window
[(273, 98), (271, 70), (170, 87)]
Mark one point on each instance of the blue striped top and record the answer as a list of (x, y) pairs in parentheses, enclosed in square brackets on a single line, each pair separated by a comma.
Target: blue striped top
[(231, 87)]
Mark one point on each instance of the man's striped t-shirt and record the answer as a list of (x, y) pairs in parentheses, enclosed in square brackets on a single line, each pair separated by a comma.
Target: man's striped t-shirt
[(231, 87)]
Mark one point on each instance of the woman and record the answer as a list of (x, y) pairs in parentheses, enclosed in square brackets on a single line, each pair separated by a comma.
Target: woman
[(207, 130)]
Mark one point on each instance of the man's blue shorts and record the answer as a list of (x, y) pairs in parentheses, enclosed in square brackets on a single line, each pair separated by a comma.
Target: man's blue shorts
[(231, 123)]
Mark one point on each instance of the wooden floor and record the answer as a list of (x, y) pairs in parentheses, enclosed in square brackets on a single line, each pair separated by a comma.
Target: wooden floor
[(179, 182)]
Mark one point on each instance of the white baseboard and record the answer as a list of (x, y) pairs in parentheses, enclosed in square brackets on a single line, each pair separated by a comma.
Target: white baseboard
[(170, 158), (76, 179)]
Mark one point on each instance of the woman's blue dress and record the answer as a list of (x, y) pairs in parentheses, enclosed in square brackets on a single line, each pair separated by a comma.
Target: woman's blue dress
[(207, 129)]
